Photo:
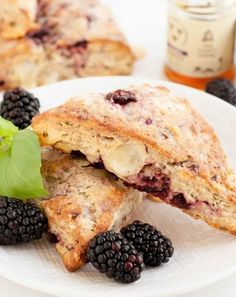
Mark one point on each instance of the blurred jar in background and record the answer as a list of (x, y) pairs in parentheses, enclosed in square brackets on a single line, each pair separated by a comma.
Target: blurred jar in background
[(201, 40)]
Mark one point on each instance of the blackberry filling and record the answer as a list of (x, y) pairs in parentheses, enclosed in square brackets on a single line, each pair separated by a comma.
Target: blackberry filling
[(148, 121), (121, 97), (180, 201), (156, 183), (78, 47), (39, 36)]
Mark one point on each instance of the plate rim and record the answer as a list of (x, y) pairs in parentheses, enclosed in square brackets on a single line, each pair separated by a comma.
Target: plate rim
[(63, 293)]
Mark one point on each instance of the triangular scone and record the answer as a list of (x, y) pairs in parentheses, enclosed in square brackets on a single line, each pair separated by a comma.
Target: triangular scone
[(58, 40), (17, 17), (83, 201), (154, 142)]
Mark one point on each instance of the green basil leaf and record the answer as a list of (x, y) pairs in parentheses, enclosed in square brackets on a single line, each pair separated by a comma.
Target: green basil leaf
[(7, 131), (20, 175)]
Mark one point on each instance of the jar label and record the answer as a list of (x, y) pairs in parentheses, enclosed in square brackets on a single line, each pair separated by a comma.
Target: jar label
[(200, 47)]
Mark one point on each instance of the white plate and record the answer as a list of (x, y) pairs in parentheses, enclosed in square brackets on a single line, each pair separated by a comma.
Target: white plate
[(202, 255)]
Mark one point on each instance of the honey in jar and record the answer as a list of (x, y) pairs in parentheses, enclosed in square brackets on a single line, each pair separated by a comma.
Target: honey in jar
[(200, 42)]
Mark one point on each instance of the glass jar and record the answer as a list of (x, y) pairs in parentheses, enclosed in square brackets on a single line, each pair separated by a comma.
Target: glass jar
[(201, 39)]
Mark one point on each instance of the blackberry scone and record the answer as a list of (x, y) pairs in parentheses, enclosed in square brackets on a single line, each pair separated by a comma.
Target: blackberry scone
[(82, 202), (67, 39), (153, 141), (17, 17)]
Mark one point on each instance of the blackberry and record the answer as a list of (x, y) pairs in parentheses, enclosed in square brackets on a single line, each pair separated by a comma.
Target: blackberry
[(223, 89), (155, 248), (19, 221), (19, 107), (112, 254), (121, 97)]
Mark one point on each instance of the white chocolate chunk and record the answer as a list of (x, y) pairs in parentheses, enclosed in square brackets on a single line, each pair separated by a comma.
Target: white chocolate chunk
[(127, 159)]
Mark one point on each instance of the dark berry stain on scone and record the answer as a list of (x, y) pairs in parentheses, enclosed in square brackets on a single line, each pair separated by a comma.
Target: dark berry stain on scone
[(148, 121), (194, 168), (39, 36), (81, 44), (121, 97), (156, 183), (214, 177), (75, 50), (90, 19), (180, 201)]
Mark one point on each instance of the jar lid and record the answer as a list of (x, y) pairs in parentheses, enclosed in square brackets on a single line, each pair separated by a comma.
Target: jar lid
[(206, 6)]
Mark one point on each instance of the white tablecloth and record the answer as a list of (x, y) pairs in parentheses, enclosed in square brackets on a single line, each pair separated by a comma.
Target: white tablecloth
[(144, 22)]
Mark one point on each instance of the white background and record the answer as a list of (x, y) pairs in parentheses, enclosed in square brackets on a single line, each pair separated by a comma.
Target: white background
[(144, 22)]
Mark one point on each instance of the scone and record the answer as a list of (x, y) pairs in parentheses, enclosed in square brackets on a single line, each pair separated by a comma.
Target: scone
[(153, 141), (17, 17), (84, 32), (73, 38), (83, 201), (22, 63)]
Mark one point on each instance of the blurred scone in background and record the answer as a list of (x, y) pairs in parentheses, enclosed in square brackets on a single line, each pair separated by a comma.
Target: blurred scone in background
[(46, 41)]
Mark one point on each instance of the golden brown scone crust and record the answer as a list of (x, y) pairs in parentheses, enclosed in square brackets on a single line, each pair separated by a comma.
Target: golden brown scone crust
[(17, 17), (65, 39), (82, 202), (159, 131)]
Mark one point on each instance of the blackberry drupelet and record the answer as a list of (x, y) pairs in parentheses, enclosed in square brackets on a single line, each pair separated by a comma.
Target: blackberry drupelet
[(19, 107), (155, 248), (121, 97), (112, 254), (20, 222), (223, 89)]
